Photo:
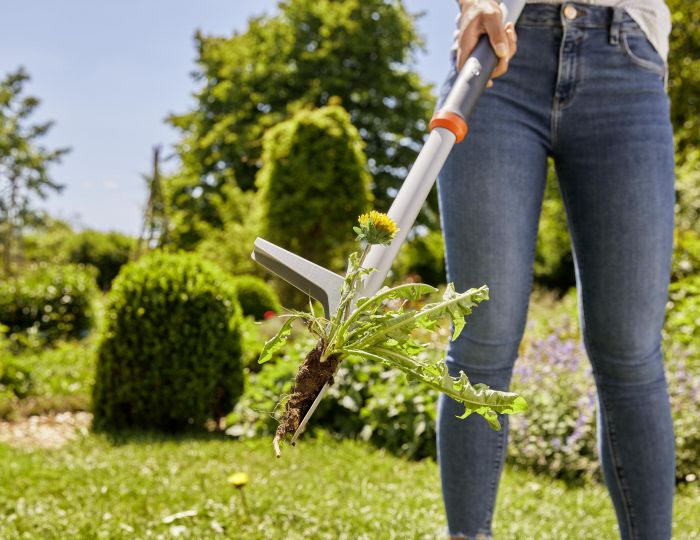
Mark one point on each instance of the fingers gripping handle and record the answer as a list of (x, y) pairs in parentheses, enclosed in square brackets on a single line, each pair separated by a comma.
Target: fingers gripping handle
[(472, 79)]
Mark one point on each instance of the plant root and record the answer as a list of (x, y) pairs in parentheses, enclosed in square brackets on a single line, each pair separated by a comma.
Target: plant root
[(310, 379)]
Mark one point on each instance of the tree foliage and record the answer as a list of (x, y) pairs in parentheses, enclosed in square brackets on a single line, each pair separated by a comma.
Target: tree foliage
[(684, 74), (688, 192), (24, 161), (358, 50), (231, 244), (106, 251), (313, 184)]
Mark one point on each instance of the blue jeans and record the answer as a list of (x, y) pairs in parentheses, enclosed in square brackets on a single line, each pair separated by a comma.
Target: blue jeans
[(588, 92)]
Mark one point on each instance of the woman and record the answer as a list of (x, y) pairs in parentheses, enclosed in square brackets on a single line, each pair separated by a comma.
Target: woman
[(586, 88)]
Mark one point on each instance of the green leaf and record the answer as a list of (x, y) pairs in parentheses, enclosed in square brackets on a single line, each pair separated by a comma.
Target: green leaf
[(456, 312), (456, 305), (477, 398), (278, 341), (408, 291)]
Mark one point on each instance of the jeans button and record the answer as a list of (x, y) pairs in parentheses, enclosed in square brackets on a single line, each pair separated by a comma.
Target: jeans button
[(570, 12)]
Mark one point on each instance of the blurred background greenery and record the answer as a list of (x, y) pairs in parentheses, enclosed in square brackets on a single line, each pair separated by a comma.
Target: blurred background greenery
[(298, 124)]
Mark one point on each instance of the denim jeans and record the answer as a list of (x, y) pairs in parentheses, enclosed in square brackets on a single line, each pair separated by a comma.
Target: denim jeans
[(589, 92)]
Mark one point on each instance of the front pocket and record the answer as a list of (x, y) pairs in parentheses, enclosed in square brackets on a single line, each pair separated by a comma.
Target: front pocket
[(642, 53)]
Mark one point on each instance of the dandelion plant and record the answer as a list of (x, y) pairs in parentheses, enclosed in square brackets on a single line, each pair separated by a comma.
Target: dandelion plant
[(368, 329)]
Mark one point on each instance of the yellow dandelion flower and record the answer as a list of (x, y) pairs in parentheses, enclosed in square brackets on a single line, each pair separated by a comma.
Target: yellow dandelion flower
[(376, 228), (238, 479)]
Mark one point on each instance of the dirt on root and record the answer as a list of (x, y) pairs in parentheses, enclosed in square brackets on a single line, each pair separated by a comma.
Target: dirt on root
[(310, 379)]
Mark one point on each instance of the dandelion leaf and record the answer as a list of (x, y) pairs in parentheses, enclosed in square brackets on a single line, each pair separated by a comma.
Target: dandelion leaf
[(276, 342)]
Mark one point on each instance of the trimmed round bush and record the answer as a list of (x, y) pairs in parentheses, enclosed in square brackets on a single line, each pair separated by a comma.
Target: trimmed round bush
[(48, 303), (107, 252), (256, 297), (170, 356), (313, 184)]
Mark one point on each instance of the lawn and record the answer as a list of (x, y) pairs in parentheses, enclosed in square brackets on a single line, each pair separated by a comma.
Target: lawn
[(159, 487)]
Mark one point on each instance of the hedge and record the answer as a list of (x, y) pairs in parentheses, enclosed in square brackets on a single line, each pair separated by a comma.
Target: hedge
[(170, 356)]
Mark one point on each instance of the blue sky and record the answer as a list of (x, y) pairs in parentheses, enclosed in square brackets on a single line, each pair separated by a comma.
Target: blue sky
[(108, 73)]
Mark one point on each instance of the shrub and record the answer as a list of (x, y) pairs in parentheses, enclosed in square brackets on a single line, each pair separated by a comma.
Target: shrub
[(256, 297), (252, 343), (400, 416), (683, 315), (230, 244), (365, 402), (684, 73), (15, 382), (424, 257), (684, 389), (171, 353), (554, 265), (260, 409), (683, 311), (48, 303), (62, 377), (688, 193), (313, 184), (105, 251), (686, 254), (46, 241), (555, 436)]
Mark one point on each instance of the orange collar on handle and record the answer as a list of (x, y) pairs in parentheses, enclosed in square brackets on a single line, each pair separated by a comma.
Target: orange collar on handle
[(452, 122)]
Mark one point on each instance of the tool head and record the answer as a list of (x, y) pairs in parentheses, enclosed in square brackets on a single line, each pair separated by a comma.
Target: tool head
[(319, 283), (310, 278)]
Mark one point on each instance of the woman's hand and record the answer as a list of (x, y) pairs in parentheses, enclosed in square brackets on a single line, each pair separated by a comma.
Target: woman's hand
[(485, 17)]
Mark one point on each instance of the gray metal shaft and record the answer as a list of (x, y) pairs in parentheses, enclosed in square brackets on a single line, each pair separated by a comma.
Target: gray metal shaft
[(462, 98), (470, 84), (408, 204)]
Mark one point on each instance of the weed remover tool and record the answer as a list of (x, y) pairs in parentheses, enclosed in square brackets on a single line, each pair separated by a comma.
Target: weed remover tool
[(447, 128)]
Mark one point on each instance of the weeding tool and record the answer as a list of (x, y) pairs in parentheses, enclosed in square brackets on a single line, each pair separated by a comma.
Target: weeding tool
[(448, 127)]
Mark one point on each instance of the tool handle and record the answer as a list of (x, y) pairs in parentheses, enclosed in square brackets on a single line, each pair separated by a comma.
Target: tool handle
[(445, 132), (471, 80)]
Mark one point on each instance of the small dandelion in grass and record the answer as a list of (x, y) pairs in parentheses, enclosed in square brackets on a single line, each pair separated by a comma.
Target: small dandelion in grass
[(239, 481), (376, 228)]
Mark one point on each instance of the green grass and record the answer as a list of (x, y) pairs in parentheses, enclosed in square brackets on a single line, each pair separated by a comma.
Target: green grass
[(321, 489)]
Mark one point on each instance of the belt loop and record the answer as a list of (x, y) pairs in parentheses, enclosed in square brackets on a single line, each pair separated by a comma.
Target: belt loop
[(616, 24)]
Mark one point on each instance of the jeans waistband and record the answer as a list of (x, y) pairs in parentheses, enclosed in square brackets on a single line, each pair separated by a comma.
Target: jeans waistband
[(586, 16)]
